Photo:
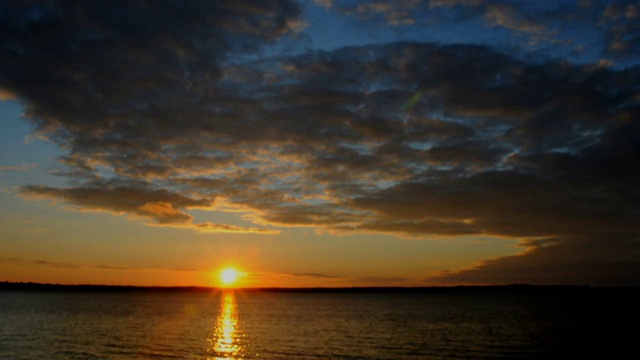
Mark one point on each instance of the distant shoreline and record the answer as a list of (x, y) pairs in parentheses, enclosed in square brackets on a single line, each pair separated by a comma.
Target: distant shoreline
[(511, 288)]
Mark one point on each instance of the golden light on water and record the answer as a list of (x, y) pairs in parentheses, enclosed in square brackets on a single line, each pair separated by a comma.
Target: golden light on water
[(226, 345)]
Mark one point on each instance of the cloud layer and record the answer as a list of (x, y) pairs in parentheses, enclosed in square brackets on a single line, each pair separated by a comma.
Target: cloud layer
[(164, 114)]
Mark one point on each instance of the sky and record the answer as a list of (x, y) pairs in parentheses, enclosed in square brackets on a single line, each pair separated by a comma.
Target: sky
[(320, 143)]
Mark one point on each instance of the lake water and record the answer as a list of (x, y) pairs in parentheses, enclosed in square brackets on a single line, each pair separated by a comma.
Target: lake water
[(277, 325)]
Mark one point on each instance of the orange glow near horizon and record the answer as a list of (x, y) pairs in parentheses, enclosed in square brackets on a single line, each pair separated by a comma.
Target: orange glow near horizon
[(229, 276)]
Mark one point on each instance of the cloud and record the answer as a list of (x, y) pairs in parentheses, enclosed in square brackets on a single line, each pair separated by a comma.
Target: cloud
[(5, 95), (23, 167), (510, 18), (208, 227), (159, 206), (622, 20), (319, 275), (383, 280), (65, 265), (396, 13), (105, 67), (392, 13), (324, 3), (605, 259), (486, 129), (450, 3), (161, 115), (577, 30)]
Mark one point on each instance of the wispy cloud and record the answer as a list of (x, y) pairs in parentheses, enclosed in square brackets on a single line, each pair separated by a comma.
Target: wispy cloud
[(159, 206), (275, 275), (70, 265), (319, 275), (383, 280), (23, 167)]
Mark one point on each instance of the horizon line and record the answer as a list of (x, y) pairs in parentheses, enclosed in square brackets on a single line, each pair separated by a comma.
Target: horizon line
[(35, 286)]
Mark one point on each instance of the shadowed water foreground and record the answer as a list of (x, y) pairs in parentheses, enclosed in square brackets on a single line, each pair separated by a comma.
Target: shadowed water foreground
[(315, 325)]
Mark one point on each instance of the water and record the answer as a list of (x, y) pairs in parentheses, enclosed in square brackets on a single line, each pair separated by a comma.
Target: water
[(217, 325)]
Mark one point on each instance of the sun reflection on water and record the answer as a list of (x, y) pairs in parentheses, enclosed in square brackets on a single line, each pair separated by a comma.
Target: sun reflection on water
[(225, 338)]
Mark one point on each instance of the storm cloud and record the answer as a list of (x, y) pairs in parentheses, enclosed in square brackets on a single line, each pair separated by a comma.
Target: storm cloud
[(162, 114)]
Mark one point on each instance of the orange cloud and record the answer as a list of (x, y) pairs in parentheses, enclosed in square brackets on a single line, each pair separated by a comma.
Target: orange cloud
[(159, 207), (164, 212), (208, 227), (6, 95)]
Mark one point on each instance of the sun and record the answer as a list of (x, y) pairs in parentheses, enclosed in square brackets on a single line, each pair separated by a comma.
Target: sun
[(229, 276)]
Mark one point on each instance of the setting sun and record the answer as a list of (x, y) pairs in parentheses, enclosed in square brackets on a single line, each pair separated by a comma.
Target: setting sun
[(229, 276)]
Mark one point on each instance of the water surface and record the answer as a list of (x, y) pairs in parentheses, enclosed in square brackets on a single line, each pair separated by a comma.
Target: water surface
[(280, 325)]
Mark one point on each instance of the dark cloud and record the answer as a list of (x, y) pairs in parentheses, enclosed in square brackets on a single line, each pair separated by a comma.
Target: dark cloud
[(319, 275), (605, 259), (163, 115), (382, 280), (109, 72), (623, 23), (159, 206), (54, 264), (522, 27)]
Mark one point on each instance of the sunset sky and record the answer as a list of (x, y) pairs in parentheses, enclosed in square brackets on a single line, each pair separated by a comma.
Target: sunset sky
[(320, 143)]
